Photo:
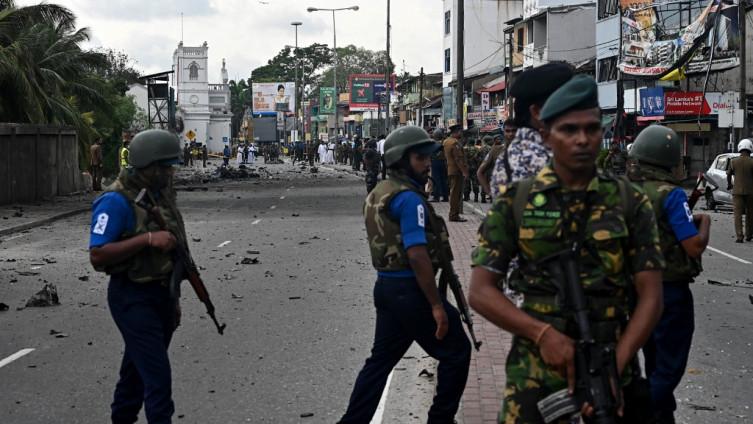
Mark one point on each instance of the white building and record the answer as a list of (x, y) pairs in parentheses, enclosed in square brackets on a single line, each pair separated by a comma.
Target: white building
[(204, 108)]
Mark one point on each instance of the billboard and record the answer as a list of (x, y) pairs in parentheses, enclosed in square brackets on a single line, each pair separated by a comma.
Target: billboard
[(657, 102), (659, 38), (326, 100), (274, 96), (366, 90)]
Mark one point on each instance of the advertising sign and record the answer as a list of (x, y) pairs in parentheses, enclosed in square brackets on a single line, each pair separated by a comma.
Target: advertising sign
[(485, 100), (274, 96), (693, 102), (327, 100), (652, 101), (366, 91), (660, 37)]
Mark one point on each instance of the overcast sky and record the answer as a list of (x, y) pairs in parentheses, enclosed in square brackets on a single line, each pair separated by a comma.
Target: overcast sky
[(249, 32)]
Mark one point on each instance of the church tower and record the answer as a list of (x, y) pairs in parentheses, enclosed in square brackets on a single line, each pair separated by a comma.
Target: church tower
[(192, 88)]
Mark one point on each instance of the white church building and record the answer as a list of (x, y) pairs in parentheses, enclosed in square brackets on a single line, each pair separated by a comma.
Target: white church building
[(204, 107)]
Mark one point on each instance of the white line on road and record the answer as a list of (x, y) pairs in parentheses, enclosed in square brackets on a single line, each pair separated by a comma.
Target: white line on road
[(223, 244), (282, 197), (273, 207), (20, 353), (14, 237), (379, 414), (256, 222), (728, 255)]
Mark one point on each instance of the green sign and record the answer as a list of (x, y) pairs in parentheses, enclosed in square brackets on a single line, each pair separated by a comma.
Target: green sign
[(327, 100)]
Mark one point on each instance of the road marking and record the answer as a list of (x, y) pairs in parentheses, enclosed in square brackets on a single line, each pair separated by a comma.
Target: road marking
[(14, 237), (223, 244), (273, 207), (475, 209), (379, 414), (728, 255), (256, 222), (20, 353), (282, 197)]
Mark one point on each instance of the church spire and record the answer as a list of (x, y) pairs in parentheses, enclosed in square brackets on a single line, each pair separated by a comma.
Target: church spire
[(224, 72)]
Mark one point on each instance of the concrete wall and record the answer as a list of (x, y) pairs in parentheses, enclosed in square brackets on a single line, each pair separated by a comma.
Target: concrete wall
[(571, 35), (38, 162)]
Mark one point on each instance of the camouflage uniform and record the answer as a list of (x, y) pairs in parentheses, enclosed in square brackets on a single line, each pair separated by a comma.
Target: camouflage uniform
[(371, 162), (616, 242), (616, 162), (473, 156), (525, 157)]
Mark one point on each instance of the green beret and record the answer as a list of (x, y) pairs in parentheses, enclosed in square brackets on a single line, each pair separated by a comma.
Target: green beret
[(579, 93)]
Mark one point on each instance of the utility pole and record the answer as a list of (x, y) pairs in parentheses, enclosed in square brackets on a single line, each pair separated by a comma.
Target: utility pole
[(387, 76), (618, 132), (421, 98), (295, 102), (742, 23), (460, 53)]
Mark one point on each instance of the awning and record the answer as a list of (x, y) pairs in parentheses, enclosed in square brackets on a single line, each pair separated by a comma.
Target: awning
[(494, 88), (649, 118)]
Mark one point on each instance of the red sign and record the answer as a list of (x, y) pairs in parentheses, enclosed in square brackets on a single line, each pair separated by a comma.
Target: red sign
[(685, 103)]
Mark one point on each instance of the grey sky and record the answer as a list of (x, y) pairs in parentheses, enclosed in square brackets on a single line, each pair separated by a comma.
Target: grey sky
[(249, 32)]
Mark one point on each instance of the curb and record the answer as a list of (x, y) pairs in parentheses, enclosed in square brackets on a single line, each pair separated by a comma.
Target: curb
[(41, 222)]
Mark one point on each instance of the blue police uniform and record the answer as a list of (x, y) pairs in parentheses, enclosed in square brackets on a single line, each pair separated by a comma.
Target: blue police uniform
[(404, 316), (668, 348), (144, 313)]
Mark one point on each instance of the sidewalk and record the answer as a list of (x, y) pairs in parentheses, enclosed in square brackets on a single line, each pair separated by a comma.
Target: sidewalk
[(486, 380), (17, 218)]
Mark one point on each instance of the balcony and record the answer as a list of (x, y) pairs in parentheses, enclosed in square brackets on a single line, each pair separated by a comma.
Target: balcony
[(218, 87), (534, 56)]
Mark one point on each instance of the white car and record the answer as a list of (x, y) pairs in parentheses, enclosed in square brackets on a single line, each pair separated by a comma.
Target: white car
[(715, 189)]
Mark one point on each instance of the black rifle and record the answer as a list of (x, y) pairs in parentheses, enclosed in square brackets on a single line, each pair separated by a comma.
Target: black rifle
[(450, 279), (597, 380), (183, 264)]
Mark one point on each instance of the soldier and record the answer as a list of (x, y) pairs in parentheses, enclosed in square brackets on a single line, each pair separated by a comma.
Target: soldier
[(499, 145), (357, 153), (657, 152), (527, 154), (136, 254), (440, 190), (616, 160), (473, 158), (95, 164), (457, 169), (568, 201), (123, 153), (742, 190), (405, 237), (204, 155), (371, 163), (486, 148)]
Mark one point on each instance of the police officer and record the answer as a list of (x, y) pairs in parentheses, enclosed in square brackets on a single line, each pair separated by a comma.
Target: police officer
[(136, 254), (568, 200), (457, 170), (440, 190), (404, 240), (683, 238), (742, 191)]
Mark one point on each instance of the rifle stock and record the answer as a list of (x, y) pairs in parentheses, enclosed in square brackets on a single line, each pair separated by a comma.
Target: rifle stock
[(184, 266)]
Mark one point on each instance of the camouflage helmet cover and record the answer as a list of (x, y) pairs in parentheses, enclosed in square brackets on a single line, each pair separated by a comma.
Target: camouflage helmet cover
[(657, 145), (151, 146)]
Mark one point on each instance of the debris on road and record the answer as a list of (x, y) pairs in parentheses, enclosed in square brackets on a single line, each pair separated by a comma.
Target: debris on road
[(718, 283), (425, 373), (307, 415), (58, 334), (701, 407), (83, 278), (195, 240), (235, 296), (250, 261), (750, 297), (252, 252), (3, 307), (48, 296), (294, 298)]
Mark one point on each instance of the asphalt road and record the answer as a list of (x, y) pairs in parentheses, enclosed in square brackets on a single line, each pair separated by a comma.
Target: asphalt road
[(300, 322)]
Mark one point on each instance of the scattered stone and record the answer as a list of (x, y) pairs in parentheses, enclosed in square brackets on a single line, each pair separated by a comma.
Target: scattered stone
[(18, 214), (83, 278), (294, 298), (48, 296), (195, 239), (252, 252), (3, 307), (58, 334), (718, 283), (701, 407), (307, 415), (425, 373), (235, 296), (49, 260), (750, 297), (27, 273), (296, 214), (250, 261)]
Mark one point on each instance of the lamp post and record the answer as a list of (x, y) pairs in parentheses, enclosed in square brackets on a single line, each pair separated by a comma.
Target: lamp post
[(295, 106), (334, 47)]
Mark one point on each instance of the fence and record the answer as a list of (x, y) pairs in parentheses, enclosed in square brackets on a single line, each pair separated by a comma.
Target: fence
[(38, 162)]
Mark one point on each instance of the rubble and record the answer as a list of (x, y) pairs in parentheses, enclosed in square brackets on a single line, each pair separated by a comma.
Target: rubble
[(3, 307), (48, 296), (250, 261)]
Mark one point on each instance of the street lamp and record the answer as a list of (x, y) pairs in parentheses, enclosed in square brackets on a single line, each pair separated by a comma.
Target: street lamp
[(296, 24), (334, 47)]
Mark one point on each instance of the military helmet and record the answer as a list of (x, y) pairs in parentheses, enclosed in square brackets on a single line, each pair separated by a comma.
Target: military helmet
[(151, 146), (438, 134), (487, 139), (403, 139), (657, 145)]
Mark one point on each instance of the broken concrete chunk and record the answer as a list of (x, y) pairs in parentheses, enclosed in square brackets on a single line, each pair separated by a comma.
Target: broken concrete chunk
[(48, 296)]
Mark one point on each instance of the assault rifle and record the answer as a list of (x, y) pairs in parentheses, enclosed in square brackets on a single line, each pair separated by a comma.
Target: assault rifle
[(183, 264), (697, 192), (596, 375)]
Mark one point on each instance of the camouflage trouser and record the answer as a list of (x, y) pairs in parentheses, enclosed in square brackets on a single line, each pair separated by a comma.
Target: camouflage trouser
[(529, 380), (471, 184), (372, 177)]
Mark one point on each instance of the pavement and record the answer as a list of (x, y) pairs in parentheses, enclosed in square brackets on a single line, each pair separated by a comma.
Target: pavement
[(300, 322)]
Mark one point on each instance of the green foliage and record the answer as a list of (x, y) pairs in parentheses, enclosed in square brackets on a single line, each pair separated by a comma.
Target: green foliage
[(355, 60)]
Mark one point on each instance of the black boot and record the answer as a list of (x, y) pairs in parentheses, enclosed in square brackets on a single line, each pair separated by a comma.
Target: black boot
[(475, 198)]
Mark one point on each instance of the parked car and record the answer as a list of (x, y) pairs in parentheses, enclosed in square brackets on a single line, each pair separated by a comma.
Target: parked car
[(715, 189)]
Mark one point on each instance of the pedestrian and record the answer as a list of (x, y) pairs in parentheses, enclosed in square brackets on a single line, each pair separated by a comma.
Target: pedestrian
[(96, 163), (405, 237), (440, 188), (457, 170), (204, 155), (137, 255), (616, 160), (330, 156), (357, 153), (322, 153), (245, 152), (742, 189), (239, 156), (311, 153), (123, 153), (371, 163), (226, 155), (656, 152), (186, 155), (252, 150), (527, 154), (499, 145), (380, 149), (610, 225), (473, 158)]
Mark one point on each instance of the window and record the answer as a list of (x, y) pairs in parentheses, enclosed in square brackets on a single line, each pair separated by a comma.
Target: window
[(721, 163), (447, 22), (521, 33), (447, 59), (217, 99), (607, 8), (193, 71), (607, 69)]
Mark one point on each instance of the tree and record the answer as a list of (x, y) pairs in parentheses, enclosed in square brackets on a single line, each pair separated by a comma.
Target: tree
[(355, 60)]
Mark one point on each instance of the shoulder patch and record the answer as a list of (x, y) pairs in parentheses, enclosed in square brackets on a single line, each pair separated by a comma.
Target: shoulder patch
[(421, 216), (101, 225)]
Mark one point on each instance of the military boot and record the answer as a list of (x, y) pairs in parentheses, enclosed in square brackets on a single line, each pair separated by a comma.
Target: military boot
[(483, 197), (475, 197)]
